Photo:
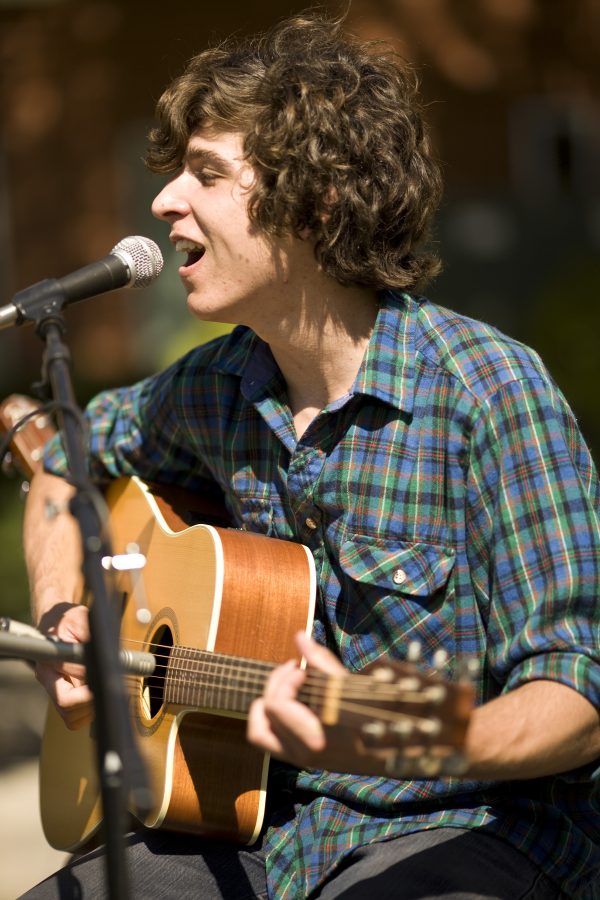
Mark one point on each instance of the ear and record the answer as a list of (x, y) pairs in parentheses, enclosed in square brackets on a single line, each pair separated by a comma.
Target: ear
[(330, 198)]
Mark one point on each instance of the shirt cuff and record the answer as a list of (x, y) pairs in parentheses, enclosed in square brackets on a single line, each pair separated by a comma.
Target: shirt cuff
[(577, 671)]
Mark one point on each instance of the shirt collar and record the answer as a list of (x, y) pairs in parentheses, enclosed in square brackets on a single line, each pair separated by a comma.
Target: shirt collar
[(386, 372), (250, 358)]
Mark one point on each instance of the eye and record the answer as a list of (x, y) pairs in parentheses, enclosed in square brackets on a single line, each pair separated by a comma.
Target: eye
[(206, 176)]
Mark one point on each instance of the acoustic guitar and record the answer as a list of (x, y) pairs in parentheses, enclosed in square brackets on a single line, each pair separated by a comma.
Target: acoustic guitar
[(214, 609)]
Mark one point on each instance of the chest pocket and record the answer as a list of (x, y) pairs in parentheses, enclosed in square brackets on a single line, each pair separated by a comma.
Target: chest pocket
[(392, 593), (409, 567)]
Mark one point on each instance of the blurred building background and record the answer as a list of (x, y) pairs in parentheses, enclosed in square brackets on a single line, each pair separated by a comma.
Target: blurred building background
[(513, 97), (513, 94)]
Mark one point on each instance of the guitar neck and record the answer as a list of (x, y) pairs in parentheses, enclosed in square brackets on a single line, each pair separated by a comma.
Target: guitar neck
[(201, 679), (406, 703)]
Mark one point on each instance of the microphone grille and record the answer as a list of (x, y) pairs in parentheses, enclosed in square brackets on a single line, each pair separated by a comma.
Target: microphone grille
[(143, 258)]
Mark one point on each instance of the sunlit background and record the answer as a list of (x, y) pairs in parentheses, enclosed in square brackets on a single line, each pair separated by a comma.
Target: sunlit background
[(512, 88), (512, 93)]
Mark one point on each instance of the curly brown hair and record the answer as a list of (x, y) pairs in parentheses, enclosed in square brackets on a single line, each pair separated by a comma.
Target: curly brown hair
[(334, 131)]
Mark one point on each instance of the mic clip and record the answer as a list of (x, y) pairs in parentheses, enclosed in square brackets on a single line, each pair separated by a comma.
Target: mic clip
[(43, 301)]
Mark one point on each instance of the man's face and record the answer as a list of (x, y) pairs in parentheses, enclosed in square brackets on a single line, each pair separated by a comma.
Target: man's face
[(232, 272)]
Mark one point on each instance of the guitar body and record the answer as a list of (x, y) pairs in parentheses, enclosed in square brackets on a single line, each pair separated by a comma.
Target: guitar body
[(204, 587)]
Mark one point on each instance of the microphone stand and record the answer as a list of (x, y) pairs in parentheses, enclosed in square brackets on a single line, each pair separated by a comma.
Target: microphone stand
[(120, 768)]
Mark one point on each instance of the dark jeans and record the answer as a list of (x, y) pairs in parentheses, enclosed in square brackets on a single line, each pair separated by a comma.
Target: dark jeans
[(448, 863)]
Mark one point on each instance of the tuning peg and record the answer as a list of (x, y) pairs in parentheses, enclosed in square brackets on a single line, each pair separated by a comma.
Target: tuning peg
[(410, 685), (430, 727), (428, 765), (454, 764), (413, 652), (440, 659), (384, 674), (467, 668), (400, 766), (402, 727), (374, 730), (435, 693), (124, 562)]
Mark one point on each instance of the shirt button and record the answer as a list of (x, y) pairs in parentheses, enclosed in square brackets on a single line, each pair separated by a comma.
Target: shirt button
[(310, 523), (399, 576)]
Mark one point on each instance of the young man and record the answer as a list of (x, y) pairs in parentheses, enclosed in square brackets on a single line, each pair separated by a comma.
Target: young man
[(427, 461)]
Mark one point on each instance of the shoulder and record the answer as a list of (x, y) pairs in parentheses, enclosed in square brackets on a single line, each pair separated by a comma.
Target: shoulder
[(226, 354), (478, 356)]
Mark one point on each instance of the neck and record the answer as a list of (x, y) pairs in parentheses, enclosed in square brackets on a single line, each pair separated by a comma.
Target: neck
[(319, 346)]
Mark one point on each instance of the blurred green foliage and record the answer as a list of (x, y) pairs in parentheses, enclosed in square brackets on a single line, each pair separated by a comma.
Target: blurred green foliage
[(564, 326), (14, 593)]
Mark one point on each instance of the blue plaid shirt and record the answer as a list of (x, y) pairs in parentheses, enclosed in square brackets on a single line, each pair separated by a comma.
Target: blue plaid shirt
[(453, 457)]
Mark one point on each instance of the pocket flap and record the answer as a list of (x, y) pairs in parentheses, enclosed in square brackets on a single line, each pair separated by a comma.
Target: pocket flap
[(411, 567)]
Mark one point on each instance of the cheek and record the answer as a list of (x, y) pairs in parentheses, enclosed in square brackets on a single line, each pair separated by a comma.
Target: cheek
[(271, 261)]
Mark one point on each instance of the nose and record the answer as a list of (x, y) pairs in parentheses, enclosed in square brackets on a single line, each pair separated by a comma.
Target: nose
[(170, 201)]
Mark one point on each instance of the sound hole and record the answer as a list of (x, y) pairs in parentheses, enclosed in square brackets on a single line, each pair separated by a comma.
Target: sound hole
[(153, 687)]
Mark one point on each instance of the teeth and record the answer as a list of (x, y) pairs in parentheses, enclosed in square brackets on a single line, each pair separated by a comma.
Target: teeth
[(187, 246)]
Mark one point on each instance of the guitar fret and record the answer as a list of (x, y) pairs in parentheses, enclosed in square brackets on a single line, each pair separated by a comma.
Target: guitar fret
[(204, 680)]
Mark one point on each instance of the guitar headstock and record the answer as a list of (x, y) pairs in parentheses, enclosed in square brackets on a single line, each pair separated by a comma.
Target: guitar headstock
[(27, 440), (397, 719)]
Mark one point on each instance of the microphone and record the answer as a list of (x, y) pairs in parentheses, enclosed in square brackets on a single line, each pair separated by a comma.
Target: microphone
[(133, 262)]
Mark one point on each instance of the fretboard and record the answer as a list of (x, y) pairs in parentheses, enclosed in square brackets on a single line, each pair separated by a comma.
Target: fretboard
[(205, 680)]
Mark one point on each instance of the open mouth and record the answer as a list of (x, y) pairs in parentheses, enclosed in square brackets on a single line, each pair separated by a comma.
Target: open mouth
[(194, 252)]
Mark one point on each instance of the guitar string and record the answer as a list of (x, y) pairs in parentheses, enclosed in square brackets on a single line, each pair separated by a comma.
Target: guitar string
[(319, 683), (318, 687), (206, 668), (355, 708), (242, 667), (202, 669), (202, 664)]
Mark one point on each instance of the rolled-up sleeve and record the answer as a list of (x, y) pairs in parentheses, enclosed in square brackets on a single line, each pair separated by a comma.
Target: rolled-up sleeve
[(535, 519)]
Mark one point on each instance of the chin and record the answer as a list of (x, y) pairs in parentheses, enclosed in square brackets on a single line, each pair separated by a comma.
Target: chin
[(208, 314), (197, 305)]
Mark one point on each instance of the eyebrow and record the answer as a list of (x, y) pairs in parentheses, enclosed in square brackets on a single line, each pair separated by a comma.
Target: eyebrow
[(209, 158)]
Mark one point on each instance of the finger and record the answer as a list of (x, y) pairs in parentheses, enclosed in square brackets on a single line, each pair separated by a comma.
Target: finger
[(74, 705), (259, 731), (69, 623), (284, 682), (293, 725), (73, 671), (318, 656), (275, 738), (75, 719), (297, 729), (66, 621), (73, 702), (278, 723)]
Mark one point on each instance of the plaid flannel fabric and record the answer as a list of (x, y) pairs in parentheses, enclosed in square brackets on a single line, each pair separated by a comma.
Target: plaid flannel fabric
[(454, 458)]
